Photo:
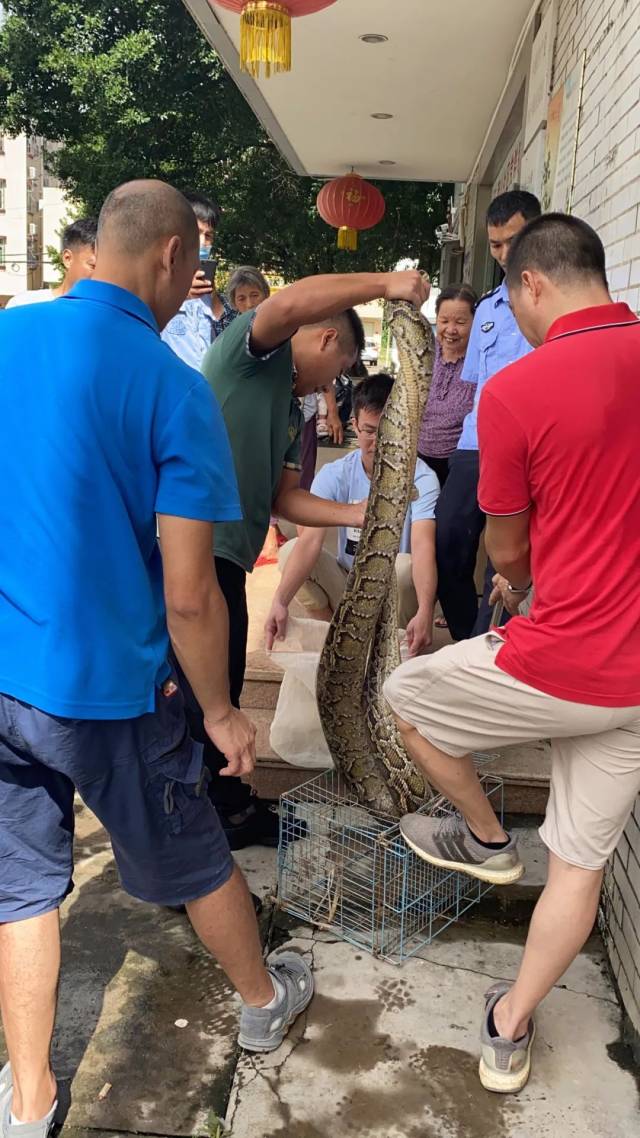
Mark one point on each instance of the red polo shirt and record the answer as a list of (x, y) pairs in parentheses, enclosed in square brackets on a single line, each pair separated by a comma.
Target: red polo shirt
[(559, 433)]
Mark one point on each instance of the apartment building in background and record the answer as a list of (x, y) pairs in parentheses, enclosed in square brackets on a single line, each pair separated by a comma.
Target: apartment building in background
[(33, 210)]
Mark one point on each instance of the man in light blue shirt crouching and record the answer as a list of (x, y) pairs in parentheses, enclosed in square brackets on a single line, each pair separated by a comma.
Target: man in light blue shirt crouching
[(318, 577)]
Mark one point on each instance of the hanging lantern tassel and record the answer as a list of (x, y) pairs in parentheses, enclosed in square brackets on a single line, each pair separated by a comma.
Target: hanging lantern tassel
[(347, 238), (265, 37)]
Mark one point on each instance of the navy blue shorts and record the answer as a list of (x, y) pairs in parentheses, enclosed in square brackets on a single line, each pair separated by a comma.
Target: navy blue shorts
[(144, 780)]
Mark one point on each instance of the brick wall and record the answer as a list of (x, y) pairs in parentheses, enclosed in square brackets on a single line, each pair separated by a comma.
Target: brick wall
[(607, 195), (607, 181), (621, 922)]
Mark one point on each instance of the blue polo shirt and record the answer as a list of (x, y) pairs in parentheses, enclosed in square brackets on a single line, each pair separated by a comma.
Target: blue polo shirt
[(101, 427), (495, 342)]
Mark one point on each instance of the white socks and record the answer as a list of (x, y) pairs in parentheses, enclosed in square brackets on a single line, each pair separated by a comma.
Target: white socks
[(278, 989), (13, 1121)]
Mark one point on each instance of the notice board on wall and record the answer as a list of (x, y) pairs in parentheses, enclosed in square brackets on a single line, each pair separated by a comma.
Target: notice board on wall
[(561, 140), (539, 81)]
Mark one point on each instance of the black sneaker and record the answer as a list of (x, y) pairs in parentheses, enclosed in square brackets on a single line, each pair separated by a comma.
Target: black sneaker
[(257, 825)]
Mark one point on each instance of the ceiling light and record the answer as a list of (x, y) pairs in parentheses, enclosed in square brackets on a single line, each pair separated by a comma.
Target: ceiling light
[(371, 37), (386, 162), (381, 115)]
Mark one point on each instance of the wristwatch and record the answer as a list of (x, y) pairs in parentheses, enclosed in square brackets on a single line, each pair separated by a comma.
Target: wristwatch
[(512, 588)]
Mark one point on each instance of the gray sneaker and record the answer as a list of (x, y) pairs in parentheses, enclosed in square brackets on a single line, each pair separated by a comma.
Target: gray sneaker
[(40, 1129), (504, 1066), (263, 1029), (449, 843)]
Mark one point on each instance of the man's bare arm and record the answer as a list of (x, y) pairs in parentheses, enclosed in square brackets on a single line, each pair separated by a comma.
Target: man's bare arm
[(423, 563), (315, 298), (508, 548), (197, 619), (425, 582), (305, 509), (300, 564), (297, 570)]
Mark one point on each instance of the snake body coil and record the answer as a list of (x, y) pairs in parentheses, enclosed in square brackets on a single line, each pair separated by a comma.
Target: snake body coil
[(361, 648)]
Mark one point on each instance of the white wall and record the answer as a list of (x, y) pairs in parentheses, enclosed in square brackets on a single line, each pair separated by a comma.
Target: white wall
[(55, 213), (607, 178), (13, 222), (607, 195)]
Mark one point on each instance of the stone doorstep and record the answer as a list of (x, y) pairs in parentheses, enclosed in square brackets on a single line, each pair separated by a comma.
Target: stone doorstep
[(525, 769)]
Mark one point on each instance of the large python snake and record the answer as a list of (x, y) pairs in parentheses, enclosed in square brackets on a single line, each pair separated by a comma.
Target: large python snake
[(362, 648)]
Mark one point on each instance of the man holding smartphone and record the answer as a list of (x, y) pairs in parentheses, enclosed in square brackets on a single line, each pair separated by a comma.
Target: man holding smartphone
[(204, 314)]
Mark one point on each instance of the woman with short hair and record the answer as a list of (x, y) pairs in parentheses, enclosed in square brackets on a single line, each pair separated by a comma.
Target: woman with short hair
[(450, 397), (247, 288)]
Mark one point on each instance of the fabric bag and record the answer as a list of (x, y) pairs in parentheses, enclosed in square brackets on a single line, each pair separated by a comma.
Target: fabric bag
[(296, 733)]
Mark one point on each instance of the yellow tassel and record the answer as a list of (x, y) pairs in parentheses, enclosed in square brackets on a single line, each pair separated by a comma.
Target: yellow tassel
[(347, 238), (265, 38)]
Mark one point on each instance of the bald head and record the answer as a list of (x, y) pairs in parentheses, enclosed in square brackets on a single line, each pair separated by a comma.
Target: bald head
[(139, 215), (148, 244)]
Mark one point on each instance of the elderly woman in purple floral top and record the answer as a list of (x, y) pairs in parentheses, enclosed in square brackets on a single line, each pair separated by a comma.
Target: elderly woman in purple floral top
[(450, 398)]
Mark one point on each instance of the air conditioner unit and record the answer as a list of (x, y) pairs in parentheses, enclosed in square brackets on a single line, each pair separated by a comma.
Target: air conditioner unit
[(33, 229)]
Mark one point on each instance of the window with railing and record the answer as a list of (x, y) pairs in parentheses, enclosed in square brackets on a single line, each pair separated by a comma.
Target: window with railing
[(3, 195), (3, 254), (1, 144)]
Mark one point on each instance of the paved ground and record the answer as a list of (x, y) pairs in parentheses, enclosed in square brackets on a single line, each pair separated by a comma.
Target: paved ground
[(383, 1051)]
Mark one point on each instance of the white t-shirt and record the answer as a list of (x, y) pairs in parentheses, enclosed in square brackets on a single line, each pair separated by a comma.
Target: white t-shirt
[(31, 296), (345, 481)]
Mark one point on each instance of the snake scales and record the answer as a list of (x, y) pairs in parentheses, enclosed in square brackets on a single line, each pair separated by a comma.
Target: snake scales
[(361, 648)]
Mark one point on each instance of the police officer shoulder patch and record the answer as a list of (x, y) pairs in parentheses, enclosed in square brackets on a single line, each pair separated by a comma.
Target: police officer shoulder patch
[(487, 326)]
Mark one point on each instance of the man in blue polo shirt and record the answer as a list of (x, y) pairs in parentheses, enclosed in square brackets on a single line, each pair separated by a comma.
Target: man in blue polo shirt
[(103, 430), (495, 342)]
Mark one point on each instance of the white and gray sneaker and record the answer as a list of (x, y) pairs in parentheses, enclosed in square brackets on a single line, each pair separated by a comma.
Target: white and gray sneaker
[(448, 843), (505, 1065), (40, 1129), (263, 1029)]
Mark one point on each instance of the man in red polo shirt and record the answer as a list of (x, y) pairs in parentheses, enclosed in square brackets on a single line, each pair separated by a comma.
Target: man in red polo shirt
[(560, 484)]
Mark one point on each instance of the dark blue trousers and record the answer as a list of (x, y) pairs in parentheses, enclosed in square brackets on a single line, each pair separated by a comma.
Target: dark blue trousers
[(459, 525)]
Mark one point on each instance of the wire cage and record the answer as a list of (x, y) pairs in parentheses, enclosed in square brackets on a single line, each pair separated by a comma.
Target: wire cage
[(347, 869)]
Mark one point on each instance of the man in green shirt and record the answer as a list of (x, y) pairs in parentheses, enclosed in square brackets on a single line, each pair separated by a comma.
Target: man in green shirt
[(293, 344)]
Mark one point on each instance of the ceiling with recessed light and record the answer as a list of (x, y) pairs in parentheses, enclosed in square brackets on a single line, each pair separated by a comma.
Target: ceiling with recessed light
[(414, 106)]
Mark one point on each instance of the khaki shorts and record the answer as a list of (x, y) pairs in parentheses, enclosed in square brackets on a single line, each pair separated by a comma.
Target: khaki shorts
[(326, 583), (461, 701)]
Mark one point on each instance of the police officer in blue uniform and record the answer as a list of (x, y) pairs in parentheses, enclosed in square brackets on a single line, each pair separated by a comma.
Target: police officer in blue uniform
[(495, 341)]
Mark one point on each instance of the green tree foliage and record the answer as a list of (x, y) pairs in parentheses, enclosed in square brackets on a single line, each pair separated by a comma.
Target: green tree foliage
[(131, 88)]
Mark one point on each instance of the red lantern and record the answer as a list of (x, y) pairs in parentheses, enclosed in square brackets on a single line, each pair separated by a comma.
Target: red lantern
[(265, 31), (350, 204)]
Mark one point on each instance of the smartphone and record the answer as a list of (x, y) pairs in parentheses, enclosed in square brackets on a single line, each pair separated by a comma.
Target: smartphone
[(209, 267)]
